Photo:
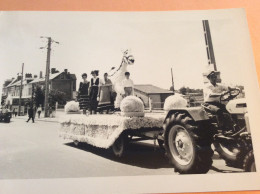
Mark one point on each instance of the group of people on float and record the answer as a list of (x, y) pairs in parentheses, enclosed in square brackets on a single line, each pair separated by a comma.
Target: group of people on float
[(97, 94)]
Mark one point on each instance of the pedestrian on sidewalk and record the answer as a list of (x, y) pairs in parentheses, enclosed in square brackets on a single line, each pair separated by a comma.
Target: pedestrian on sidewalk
[(15, 113), (30, 114), (39, 110)]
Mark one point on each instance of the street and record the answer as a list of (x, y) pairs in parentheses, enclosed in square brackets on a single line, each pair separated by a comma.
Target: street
[(34, 150)]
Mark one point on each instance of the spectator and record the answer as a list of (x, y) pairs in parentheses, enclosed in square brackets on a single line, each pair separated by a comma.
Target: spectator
[(30, 114), (13, 113), (39, 110)]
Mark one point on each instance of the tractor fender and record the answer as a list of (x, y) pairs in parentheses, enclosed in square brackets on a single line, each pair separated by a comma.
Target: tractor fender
[(196, 113)]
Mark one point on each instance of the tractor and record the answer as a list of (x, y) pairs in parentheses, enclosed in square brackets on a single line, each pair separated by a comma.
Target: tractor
[(189, 135)]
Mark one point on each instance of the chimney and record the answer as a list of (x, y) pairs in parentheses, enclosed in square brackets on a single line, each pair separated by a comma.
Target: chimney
[(19, 77), (53, 70), (28, 75), (66, 71), (40, 76)]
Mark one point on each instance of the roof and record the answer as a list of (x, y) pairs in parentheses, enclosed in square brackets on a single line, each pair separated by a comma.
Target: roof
[(14, 80), (18, 83), (151, 89), (73, 76), (52, 76)]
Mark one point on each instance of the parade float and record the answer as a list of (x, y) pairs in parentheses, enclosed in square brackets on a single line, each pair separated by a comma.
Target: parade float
[(115, 130), (186, 133)]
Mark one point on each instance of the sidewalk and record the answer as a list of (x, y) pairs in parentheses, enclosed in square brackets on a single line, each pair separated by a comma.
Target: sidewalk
[(58, 114)]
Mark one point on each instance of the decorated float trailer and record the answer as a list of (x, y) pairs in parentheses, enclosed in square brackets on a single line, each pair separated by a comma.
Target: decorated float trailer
[(113, 131)]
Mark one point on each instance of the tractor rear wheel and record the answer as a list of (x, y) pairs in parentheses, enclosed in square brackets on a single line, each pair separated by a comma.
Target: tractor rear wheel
[(188, 144)]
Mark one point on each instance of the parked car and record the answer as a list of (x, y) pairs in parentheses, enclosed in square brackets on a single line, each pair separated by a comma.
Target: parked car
[(5, 115)]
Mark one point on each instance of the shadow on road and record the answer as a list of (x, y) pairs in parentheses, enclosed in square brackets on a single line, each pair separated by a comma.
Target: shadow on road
[(138, 154), (224, 171), (142, 155)]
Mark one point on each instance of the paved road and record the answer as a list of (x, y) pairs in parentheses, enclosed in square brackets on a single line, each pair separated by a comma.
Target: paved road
[(34, 150)]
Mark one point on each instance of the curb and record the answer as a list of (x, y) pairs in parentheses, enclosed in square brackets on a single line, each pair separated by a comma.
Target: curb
[(56, 121)]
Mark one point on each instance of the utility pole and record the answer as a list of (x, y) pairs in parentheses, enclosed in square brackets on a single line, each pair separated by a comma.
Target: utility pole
[(209, 44), (210, 52), (47, 75), (21, 92), (172, 81)]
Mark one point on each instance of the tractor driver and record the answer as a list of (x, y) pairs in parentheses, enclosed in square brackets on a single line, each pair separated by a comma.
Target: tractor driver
[(212, 94)]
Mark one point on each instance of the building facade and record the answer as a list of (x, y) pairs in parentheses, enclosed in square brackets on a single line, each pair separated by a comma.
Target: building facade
[(152, 96), (60, 81)]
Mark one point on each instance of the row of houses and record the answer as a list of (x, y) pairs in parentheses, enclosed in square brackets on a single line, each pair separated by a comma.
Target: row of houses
[(62, 81), (152, 96)]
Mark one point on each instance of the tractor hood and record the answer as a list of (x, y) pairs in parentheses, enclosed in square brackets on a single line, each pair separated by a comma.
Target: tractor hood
[(237, 106)]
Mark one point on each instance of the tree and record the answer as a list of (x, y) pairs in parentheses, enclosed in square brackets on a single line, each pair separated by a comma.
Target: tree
[(39, 96), (54, 96), (183, 90), (57, 96), (186, 90)]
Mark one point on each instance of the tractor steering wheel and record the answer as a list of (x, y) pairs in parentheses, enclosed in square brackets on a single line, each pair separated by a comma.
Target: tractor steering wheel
[(229, 95)]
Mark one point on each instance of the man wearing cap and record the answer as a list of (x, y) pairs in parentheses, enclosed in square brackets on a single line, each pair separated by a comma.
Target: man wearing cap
[(212, 93), (213, 90)]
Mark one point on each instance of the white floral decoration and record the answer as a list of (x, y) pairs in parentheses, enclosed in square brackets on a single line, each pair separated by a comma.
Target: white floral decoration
[(174, 101), (132, 104), (72, 106), (102, 130)]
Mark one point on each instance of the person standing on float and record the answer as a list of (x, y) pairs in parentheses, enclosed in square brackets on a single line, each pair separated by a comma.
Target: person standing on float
[(84, 93), (94, 84), (105, 95), (128, 85)]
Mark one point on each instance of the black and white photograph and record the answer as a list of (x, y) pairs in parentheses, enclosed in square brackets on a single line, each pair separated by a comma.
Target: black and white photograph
[(91, 95)]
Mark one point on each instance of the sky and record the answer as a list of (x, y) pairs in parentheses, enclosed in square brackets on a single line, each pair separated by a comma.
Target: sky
[(90, 41)]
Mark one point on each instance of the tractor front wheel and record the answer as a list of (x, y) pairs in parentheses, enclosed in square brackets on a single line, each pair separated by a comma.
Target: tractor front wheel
[(233, 152)]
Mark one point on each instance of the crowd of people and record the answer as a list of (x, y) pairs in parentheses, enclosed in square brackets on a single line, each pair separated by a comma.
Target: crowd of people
[(97, 95)]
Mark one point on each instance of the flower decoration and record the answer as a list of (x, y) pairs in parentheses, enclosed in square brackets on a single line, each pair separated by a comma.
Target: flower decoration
[(72, 106), (132, 106), (175, 101), (102, 131)]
